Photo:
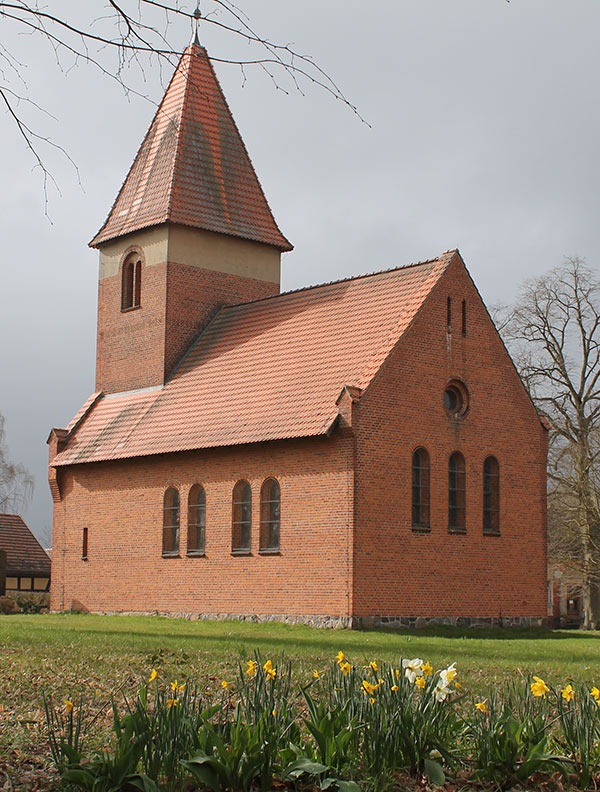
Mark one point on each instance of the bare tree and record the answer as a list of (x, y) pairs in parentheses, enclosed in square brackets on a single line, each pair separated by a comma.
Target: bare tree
[(16, 484), (555, 333), (120, 37)]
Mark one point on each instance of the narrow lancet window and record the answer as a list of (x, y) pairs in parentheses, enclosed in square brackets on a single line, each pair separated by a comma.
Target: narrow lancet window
[(456, 492), (241, 524), (270, 516), (196, 520), (420, 489), (131, 285), (171, 522)]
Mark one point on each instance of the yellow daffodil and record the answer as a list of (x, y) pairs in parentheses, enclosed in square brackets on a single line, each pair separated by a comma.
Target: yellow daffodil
[(595, 693), (372, 700), (153, 675), (457, 686), (397, 673), (345, 668), (412, 668), (268, 665), (394, 688), (316, 674), (271, 674), (224, 684), (568, 693), (538, 687), (175, 686), (373, 666), (368, 688), (172, 702), (274, 713), (340, 657), (481, 707), (68, 705), (251, 668), (420, 682), (427, 669)]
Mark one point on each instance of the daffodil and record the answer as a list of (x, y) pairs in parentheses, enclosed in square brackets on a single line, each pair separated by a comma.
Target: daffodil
[(368, 688), (268, 665), (448, 674), (172, 702), (394, 688), (372, 700), (427, 669), (316, 674), (538, 687), (568, 693), (457, 686), (224, 684), (412, 668), (420, 682), (441, 692), (373, 666), (153, 675), (340, 657), (251, 668), (274, 713), (595, 693), (481, 706), (270, 671), (175, 686), (345, 668), (68, 705)]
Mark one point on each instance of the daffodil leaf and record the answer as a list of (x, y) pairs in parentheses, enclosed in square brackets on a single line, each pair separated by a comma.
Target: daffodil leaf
[(433, 770)]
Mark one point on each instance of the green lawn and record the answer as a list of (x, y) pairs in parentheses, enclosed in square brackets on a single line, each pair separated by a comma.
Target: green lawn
[(69, 656)]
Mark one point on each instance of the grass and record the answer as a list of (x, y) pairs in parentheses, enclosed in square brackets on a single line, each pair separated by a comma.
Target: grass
[(68, 656)]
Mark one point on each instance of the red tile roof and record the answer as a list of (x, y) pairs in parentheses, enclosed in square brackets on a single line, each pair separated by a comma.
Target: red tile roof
[(265, 370), (192, 167), (24, 554)]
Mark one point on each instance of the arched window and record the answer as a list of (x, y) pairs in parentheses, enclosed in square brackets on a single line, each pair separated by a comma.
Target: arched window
[(196, 520), (456, 492), (270, 516), (241, 523), (491, 496), (171, 522), (420, 489), (131, 286)]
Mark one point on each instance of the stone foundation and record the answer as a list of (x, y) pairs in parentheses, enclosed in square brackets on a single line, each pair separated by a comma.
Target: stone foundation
[(348, 622)]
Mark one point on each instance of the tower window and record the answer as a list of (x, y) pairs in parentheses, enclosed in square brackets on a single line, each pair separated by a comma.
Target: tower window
[(171, 522), (131, 286), (420, 489), (241, 523), (456, 492), (270, 516), (491, 496)]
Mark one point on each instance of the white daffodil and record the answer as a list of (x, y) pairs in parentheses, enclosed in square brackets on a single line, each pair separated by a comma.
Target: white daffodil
[(447, 676), (441, 692), (412, 669)]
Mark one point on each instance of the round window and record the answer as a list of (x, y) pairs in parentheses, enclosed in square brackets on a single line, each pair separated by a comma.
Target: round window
[(456, 400)]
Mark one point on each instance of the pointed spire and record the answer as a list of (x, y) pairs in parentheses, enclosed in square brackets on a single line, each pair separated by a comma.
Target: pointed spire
[(197, 16), (192, 167)]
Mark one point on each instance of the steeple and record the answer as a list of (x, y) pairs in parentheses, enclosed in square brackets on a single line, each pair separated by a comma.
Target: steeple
[(192, 168), (190, 232)]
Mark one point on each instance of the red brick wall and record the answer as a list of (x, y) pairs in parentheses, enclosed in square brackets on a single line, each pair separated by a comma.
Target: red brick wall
[(138, 348), (400, 573), (121, 505), (195, 295)]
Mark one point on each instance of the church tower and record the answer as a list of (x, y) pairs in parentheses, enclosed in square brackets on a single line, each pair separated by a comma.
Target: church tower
[(189, 232)]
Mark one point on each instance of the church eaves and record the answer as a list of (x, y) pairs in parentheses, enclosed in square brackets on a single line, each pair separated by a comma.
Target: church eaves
[(192, 168)]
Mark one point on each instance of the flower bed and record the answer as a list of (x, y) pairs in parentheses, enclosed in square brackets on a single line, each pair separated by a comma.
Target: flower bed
[(348, 727)]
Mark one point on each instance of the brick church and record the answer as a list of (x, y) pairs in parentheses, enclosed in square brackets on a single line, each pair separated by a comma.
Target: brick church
[(361, 452)]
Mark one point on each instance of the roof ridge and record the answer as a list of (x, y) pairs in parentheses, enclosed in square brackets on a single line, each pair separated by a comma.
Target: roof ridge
[(5, 514), (343, 280)]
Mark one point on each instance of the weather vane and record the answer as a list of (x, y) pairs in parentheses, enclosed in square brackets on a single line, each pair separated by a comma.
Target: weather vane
[(197, 16)]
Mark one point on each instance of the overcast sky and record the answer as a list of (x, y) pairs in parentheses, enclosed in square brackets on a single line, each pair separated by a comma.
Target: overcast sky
[(484, 135)]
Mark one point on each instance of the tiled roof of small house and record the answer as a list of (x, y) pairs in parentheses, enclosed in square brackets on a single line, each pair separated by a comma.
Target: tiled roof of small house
[(264, 370), (192, 167), (24, 554)]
